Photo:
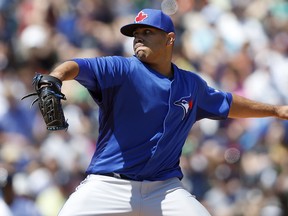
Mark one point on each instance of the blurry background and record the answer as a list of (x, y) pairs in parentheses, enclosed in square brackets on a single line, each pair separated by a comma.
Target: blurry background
[(234, 167)]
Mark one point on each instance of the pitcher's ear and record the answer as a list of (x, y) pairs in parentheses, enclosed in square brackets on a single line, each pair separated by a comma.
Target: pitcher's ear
[(171, 38)]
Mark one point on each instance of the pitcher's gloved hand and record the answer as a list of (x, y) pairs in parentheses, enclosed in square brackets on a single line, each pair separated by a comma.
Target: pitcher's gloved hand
[(49, 95)]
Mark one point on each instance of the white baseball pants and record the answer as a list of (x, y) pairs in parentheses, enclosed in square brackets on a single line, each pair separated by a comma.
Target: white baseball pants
[(109, 196)]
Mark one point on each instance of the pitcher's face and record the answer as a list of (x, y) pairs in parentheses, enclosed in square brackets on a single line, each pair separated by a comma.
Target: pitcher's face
[(149, 44)]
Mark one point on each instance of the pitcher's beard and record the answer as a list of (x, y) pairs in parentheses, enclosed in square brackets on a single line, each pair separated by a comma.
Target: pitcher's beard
[(141, 55)]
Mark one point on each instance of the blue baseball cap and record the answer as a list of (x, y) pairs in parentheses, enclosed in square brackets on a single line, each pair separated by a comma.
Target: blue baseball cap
[(151, 18)]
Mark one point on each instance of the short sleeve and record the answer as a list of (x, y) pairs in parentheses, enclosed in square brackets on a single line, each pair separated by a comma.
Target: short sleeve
[(213, 103), (101, 75)]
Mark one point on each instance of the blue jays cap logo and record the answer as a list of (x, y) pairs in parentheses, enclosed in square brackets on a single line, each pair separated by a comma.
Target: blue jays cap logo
[(149, 17), (140, 17)]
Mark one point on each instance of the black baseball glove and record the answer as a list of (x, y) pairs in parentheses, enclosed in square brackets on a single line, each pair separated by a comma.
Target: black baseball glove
[(49, 95)]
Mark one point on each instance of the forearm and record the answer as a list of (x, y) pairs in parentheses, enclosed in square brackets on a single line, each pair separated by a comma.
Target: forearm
[(66, 71), (245, 108)]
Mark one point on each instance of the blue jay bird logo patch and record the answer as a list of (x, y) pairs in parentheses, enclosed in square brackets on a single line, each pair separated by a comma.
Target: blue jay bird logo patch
[(186, 104)]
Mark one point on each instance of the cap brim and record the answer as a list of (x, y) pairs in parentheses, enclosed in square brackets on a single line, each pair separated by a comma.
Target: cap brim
[(128, 30)]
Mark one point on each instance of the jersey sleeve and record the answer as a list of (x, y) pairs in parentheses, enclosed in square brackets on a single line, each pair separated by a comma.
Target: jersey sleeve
[(107, 71), (97, 74), (213, 103)]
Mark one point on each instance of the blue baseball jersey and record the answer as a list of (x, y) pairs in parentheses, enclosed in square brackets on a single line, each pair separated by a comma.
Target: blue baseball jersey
[(145, 117)]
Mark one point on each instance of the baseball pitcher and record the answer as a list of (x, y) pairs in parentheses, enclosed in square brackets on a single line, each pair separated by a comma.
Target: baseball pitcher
[(147, 107)]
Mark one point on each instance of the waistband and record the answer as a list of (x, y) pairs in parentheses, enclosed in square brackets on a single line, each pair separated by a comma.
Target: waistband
[(118, 176)]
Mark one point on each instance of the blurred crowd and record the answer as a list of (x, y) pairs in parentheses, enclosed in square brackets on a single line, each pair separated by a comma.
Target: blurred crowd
[(234, 167)]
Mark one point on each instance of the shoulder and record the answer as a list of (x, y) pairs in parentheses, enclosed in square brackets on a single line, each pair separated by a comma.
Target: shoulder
[(104, 59), (113, 59), (121, 61), (188, 75)]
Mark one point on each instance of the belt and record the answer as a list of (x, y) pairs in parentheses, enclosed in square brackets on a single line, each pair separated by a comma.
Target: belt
[(117, 175)]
